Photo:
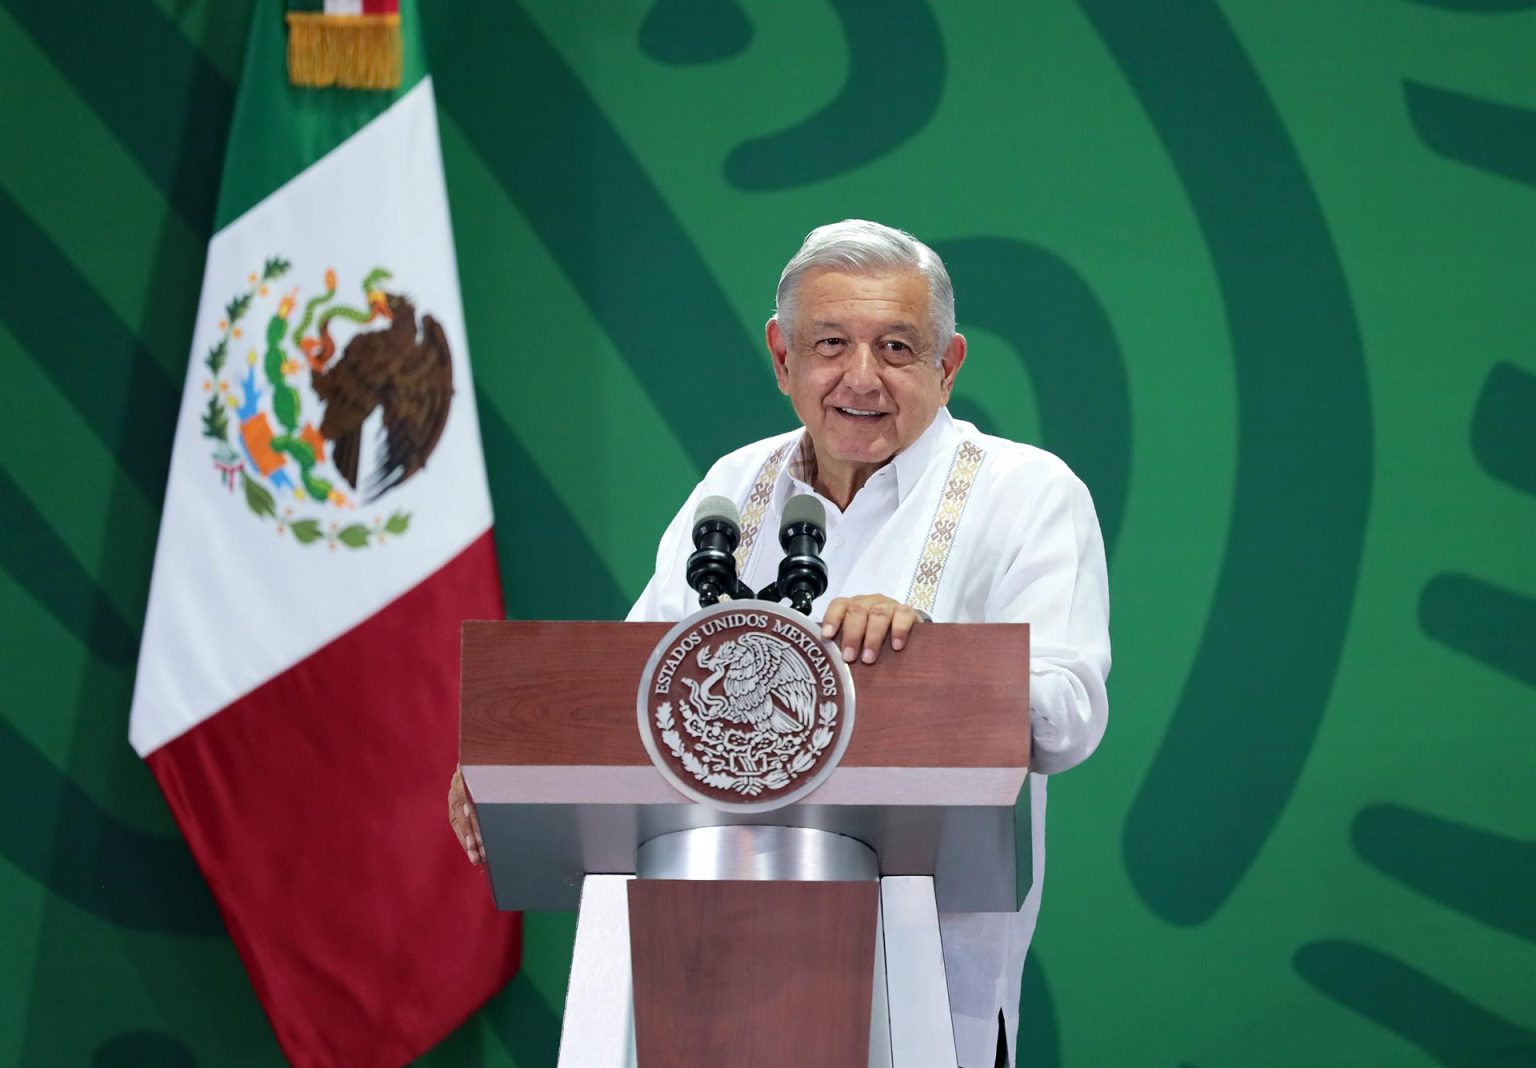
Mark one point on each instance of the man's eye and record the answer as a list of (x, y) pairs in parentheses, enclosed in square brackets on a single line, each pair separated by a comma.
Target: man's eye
[(830, 346)]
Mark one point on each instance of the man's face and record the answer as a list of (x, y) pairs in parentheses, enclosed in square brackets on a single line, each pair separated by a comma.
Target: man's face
[(860, 368)]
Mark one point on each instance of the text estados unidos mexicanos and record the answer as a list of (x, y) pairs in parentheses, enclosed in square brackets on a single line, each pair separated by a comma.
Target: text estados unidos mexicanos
[(757, 621), (692, 639), (813, 652)]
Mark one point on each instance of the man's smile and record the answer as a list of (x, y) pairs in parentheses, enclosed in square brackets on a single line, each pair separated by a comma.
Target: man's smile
[(858, 413)]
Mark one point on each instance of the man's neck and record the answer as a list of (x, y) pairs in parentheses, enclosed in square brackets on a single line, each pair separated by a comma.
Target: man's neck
[(838, 482)]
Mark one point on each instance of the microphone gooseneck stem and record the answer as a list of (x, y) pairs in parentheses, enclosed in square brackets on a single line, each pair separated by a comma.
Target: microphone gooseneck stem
[(802, 572)]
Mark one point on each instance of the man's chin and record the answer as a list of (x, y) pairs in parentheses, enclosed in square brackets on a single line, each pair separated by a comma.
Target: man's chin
[(871, 454)]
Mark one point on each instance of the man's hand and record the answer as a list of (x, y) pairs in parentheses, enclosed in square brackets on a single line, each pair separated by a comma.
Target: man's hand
[(461, 813), (864, 623)]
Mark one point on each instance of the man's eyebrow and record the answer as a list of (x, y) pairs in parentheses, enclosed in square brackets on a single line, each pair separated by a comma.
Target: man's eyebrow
[(900, 327)]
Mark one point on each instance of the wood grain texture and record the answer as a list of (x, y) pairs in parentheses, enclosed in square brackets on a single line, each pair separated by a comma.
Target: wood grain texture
[(553, 693), (564, 694), (752, 974)]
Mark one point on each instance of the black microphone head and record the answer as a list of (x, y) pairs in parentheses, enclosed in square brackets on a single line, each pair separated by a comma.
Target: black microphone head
[(800, 511), (716, 533), (718, 507)]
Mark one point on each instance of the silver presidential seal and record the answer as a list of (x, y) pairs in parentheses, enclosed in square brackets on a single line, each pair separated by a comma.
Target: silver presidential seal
[(744, 706)]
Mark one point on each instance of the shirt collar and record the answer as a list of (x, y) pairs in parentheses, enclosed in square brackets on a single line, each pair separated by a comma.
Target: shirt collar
[(911, 462), (908, 464), (802, 460)]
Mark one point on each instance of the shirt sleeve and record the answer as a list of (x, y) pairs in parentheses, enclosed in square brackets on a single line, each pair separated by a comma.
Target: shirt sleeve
[(1055, 579)]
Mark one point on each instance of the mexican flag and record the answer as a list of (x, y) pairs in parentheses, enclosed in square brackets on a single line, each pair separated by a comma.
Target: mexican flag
[(327, 526)]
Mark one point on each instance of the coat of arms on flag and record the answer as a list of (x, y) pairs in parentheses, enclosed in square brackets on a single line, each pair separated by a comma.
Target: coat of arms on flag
[(354, 44), (302, 401)]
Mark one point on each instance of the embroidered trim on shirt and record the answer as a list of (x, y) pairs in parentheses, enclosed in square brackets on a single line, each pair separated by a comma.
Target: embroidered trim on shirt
[(757, 505), (946, 522)]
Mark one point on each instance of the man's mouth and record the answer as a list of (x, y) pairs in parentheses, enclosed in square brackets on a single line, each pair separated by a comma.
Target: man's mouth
[(859, 413)]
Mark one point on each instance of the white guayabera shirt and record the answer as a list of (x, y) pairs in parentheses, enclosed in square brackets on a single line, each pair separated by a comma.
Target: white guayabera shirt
[(972, 529)]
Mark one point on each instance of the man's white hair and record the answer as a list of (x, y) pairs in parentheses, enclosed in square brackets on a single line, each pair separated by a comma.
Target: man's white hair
[(858, 246)]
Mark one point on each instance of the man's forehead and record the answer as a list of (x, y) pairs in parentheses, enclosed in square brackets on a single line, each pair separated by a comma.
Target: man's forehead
[(899, 298)]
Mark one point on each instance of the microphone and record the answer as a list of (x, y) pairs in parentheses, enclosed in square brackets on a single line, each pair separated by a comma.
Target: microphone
[(712, 567), (802, 572)]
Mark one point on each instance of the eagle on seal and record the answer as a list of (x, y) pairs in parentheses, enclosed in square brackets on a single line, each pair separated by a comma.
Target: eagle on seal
[(764, 680)]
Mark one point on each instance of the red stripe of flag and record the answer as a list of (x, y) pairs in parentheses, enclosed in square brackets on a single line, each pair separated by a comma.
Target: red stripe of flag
[(316, 806)]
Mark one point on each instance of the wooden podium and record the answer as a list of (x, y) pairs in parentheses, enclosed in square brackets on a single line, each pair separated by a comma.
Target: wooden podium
[(807, 934)]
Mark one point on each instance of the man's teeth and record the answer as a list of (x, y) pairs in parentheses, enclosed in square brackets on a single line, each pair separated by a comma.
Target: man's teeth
[(857, 411)]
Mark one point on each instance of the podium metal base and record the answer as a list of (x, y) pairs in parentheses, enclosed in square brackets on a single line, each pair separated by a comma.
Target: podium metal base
[(909, 1017), (790, 854)]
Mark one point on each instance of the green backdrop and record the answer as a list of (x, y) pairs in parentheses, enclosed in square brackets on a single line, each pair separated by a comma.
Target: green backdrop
[(1263, 273)]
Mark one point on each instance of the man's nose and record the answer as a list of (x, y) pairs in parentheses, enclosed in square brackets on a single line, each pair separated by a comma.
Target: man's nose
[(863, 371)]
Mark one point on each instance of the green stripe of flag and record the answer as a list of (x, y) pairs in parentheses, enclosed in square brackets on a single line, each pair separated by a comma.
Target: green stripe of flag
[(278, 129)]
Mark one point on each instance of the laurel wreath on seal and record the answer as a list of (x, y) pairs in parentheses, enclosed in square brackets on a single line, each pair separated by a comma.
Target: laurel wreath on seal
[(784, 753)]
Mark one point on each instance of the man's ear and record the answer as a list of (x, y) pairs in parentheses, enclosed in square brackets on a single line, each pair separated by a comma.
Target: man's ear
[(778, 348), (949, 366)]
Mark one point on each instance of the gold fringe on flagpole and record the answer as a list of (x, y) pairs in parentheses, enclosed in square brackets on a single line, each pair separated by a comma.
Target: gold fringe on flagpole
[(350, 51)]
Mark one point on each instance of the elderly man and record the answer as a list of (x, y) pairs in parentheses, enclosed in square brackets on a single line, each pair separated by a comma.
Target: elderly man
[(927, 517)]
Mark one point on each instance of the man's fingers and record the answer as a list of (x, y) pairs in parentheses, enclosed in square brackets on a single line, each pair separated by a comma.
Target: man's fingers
[(854, 621), (879, 623), (901, 625), (862, 625), (478, 854), (832, 622), (461, 816)]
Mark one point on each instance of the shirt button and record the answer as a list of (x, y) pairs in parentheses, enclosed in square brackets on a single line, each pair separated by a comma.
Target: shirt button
[(837, 541)]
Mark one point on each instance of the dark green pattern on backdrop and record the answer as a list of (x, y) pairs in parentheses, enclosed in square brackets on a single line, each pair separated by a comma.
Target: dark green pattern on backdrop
[(174, 122), (1220, 781), (1318, 770), (873, 112), (1056, 326), (579, 186)]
